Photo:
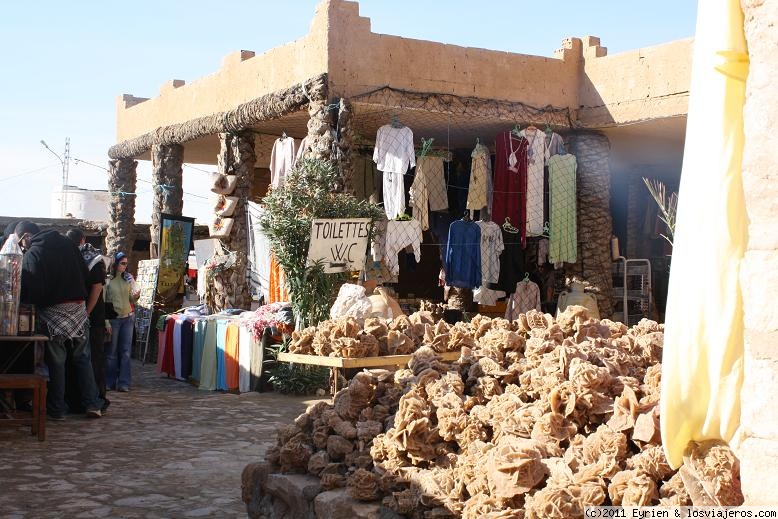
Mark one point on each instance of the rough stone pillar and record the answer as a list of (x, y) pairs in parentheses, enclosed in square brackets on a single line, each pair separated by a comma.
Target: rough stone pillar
[(328, 140), (167, 178), (320, 132), (595, 225), (345, 135), (759, 268), (236, 157), (122, 181)]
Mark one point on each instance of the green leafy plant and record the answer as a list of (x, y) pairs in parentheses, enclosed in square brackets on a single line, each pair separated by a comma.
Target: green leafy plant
[(668, 205), (310, 191), (295, 379), (299, 379)]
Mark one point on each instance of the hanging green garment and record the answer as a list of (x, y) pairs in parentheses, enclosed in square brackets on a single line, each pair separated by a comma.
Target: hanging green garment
[(563, 223), (702, 363)]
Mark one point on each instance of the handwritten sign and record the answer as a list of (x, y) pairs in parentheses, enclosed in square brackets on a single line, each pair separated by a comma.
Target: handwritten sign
[(339, 244)]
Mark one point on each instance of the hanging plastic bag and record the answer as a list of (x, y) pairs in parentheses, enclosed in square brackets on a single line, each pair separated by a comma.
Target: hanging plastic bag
[(10, 285)]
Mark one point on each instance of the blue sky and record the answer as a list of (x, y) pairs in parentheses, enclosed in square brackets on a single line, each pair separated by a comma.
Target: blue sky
[(65, 63)]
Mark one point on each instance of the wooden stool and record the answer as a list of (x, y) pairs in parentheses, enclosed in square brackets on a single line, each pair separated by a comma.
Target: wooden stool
[(38, 385)]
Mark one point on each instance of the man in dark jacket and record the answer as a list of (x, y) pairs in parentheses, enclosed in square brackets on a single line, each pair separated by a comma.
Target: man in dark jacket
[(54, 280), (97, 265)]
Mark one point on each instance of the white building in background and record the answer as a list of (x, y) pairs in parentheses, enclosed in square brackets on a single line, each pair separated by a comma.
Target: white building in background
[(84, 204)]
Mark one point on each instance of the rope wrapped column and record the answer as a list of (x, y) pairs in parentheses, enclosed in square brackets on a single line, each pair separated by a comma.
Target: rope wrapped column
[(230, 287), (122, 181), (595, 225), (167, 178), (331, 132), (320, 134)]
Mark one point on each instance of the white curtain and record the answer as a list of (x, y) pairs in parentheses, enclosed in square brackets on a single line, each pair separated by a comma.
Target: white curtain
[(702, 364)]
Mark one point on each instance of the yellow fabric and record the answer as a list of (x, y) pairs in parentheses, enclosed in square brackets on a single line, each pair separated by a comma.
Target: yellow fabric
[(702, 364)]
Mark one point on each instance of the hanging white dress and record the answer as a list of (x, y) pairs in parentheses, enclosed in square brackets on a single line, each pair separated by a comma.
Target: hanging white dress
[(393, 155), (282, 160), (537, 154)]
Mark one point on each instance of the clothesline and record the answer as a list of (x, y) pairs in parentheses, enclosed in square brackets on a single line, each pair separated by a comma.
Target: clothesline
[(468, 188), (479, 243)]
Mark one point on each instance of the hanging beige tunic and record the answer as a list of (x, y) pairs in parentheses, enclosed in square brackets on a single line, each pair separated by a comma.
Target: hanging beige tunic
[(480, 171), (428, 191)]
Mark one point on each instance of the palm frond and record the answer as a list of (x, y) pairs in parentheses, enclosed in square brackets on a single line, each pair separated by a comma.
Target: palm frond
[(668, 205)]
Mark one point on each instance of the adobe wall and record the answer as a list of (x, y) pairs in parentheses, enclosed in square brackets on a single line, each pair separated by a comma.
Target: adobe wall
[(242, 77), (642, 84), (759, 269), (361, 61)]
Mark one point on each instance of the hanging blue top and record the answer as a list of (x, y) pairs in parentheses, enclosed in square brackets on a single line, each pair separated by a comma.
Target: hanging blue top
[(463, 256)]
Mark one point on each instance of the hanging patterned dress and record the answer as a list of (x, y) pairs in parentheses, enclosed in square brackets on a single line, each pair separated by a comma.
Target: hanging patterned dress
[(563, 234), (510, 182)]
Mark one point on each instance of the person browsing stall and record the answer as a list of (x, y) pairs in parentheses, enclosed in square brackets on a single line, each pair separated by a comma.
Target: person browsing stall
[(121, 292), (54, 280), (97, 265)]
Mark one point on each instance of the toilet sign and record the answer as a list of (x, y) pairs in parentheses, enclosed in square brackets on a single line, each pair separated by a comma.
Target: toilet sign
[(339, 244)]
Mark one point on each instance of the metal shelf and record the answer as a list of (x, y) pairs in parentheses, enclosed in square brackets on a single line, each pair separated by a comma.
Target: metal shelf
[(632, 289)]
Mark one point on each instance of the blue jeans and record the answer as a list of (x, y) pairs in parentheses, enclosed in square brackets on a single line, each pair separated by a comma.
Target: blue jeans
[(75, 349), (117, 357)]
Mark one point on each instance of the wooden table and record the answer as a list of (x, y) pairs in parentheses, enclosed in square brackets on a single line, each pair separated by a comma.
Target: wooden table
[(338, 363), (16, 345)]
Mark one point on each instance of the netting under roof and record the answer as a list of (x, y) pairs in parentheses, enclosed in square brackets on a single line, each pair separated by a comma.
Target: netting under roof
[(453, 121)]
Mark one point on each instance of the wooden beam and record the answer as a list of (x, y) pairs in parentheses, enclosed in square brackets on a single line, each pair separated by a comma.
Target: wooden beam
[(363, 362)]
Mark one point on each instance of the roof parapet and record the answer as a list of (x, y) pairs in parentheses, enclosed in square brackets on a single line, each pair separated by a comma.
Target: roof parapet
[(129, 100), (236, 57), (571, 49), (592, 48), (167, 86)]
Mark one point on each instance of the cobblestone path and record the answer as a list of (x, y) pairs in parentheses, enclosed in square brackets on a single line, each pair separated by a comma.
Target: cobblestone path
[(163, 450)]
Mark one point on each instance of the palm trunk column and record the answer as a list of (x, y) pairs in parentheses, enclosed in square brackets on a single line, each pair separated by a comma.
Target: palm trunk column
[(122, 181), (167, 178), (595, 225), (331, 132), (320, 135), (236, 157)]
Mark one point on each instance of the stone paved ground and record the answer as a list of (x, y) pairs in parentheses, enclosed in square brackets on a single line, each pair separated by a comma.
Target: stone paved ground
[(163, 450)]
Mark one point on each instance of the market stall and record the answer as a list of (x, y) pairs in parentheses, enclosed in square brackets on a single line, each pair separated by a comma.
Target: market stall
[(483, 193), (222, 351)]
